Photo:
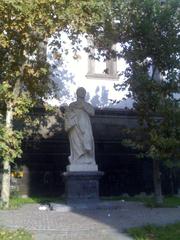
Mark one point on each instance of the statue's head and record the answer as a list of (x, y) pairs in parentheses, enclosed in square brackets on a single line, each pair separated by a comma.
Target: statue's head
[(81, 92)]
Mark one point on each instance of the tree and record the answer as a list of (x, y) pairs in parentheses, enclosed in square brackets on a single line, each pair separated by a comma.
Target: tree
[(25, 28), (149, 34)]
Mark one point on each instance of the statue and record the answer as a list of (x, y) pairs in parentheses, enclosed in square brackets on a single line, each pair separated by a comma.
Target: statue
[(82, 175), (78, 126)]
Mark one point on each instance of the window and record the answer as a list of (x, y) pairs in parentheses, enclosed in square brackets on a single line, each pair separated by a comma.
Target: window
[(102, 69)]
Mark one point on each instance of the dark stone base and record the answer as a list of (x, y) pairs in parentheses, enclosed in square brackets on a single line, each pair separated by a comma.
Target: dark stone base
[(82, 187)]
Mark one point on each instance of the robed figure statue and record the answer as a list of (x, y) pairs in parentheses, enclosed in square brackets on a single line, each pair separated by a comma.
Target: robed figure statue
[(78, 127)]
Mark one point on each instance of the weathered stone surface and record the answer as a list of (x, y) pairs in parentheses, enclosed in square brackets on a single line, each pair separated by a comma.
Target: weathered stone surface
[(82, 168), (82, 187), (78, 126)]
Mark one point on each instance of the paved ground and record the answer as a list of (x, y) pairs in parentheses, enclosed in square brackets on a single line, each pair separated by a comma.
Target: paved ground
[(92, 224)]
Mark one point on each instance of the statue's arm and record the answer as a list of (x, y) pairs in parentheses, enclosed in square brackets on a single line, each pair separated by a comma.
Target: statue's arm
[(67, 126), (89, 109), (70, 121)]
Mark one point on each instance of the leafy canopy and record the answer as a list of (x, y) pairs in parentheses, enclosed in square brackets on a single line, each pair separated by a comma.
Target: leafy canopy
[(25, 27), (148, 32)]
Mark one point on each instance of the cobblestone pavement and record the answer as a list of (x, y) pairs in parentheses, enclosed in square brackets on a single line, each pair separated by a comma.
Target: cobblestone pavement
[(91, 224)]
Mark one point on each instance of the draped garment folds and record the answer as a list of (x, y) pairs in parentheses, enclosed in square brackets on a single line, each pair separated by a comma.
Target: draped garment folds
[(78, 126)]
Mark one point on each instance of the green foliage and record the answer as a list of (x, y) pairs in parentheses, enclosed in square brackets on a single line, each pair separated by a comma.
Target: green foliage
[(148, 32), (10, 144), (22, 106), (149, 232), (16, 202), (149, 201), (25, 29), (168, 202), (19, 234)]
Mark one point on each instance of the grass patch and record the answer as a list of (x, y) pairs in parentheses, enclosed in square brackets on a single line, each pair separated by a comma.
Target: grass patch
[(16, 202), (151, 232), (149, 201), (19, 234), (169, 201)]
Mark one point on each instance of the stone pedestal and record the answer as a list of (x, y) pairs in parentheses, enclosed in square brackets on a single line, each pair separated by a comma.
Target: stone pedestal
[(82, 168), (82, 187)]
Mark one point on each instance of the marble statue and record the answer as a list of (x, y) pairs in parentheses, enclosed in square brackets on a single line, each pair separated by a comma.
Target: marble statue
[(78, 126)]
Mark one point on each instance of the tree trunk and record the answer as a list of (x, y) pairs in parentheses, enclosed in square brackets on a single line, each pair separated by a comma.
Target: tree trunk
[(6, 174), (5, 191), (6, 171), (157, 182)]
